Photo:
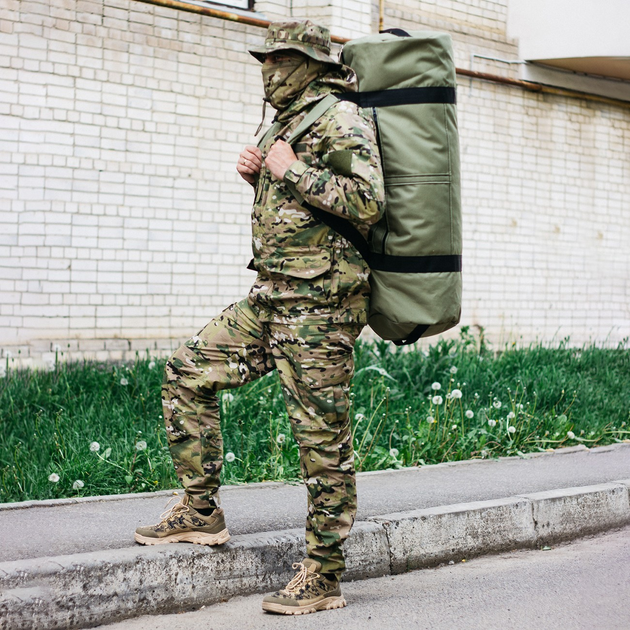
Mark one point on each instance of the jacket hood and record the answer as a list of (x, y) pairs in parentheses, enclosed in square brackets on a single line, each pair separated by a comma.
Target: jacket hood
[(341, 79)]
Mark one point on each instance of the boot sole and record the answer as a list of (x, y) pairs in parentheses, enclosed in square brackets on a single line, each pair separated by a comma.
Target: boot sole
[(329, 603), (197, 538)]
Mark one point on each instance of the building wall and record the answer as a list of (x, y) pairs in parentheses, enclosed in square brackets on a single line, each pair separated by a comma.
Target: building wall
[(124, 226)]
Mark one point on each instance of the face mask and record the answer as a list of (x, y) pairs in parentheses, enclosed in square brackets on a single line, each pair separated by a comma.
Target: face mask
[(283, 81)]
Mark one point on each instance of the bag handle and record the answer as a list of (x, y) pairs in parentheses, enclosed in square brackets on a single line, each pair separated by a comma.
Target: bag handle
[(396, 31)]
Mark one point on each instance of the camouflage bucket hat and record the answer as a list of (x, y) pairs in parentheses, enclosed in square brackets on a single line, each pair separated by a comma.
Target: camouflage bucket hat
[(305, 37)]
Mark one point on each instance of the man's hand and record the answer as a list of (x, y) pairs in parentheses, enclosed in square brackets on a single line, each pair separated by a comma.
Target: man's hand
[(280, 157), (249, 163)]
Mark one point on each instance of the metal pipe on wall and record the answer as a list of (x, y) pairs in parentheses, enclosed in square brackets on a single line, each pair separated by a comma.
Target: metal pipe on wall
[(182, 5)]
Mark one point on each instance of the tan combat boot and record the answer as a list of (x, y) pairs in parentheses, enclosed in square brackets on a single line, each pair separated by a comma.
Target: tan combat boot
[(182, 523), (307, 592)]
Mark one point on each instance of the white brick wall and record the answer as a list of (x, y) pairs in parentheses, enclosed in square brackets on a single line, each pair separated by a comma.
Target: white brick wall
[(123, 223)]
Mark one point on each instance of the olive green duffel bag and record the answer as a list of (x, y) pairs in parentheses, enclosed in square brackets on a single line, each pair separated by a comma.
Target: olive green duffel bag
[(407, 81)]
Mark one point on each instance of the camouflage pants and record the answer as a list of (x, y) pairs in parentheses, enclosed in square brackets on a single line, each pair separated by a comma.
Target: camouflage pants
[(315, 364)]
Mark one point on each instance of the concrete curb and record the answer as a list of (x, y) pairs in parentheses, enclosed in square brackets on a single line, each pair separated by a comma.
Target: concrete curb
[(85, 590)]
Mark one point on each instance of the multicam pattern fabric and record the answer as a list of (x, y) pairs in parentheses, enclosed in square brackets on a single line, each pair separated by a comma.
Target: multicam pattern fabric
[(315, 364), (284, 80), (306, 268), (301, 317), (305, 37)]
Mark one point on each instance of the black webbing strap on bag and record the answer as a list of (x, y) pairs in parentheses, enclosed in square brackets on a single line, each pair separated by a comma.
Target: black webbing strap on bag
[(402, 96)]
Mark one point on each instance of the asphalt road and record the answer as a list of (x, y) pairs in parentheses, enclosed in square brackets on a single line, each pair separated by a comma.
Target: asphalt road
[(580, 585), (97, 525)]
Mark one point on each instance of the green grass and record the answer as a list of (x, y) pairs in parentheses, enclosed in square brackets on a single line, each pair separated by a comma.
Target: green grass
[(512, 402)]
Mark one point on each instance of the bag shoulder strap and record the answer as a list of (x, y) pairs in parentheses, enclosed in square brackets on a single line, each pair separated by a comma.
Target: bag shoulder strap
[(312, 117), (270, 132)]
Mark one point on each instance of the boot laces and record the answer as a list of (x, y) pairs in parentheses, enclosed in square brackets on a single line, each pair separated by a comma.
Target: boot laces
[(175, 509), (302, 577)]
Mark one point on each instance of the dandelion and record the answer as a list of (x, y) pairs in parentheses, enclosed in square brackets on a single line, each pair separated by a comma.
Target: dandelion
[(393, 452), (124, 382), (95, 447), (497, 404), (449, 396), (454, 427), (436, 386), (54, 477), (430, 419), (470, 414), (484, 453), (492, 423), (141, 445), (456, 393), (151, 365), (453, 370), (359, 416), (77, 485), (437, 400), (571, 435), (230, 457), (281, 438), (511, 429), (228, 397), (511, 415)]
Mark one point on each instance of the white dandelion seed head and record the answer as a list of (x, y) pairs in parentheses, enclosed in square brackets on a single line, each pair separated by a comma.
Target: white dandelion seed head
[(228, 397), (54, 477), (437, 400), (436, 386), (492, 423), (449, 396), (141, 445), (95, 447), (511, 415), (230, 457), (454, 427), (281, 439), (484, 453), (430, 419), (456, 393), (393, 452), (453, 370), (571, 435), (470, 413), (151, 365), (511, 429), (359, 416), (124, 381), (497, 404), (77, 485)]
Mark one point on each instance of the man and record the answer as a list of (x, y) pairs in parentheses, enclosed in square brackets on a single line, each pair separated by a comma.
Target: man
[(301, 317)]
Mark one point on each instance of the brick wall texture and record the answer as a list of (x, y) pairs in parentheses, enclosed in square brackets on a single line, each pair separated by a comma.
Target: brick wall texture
[(124, 225)]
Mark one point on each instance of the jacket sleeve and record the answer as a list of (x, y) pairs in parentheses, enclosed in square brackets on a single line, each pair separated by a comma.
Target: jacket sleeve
[(350, 183)]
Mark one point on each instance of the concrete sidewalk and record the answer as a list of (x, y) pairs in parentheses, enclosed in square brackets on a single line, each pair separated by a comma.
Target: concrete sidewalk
[(73, 563)]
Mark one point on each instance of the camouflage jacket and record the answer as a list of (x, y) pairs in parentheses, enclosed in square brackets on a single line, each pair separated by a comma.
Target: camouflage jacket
[(305, 269)]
